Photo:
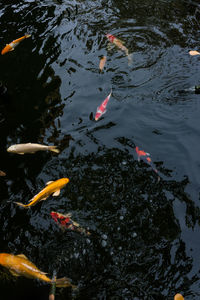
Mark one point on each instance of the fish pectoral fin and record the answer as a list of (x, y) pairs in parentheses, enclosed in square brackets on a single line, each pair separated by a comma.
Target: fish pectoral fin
[(56, 193), (22, 255), (30, 200), (13, 50), (14, 273), (44, 198), (47, 183), (21, 153)]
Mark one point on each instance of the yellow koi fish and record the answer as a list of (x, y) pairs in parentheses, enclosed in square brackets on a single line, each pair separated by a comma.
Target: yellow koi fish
[(178, 297), (120, 45), (19, 265), (13, 44), (53, 187)]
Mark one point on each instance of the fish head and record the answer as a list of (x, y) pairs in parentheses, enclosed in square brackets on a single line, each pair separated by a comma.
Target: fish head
[(54, 216), (6, 49), (3, 258), (65, 181), (97, 116), (12, 148), (110, 37)]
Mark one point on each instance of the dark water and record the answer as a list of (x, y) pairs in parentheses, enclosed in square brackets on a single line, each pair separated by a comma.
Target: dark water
[(145, 233)]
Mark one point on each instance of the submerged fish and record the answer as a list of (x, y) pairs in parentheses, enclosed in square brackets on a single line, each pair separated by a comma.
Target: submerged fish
[(53, 187), (102, 108), (66, 222), (178, 297), (193, 52), (13, 44), (120, 45), (2, 173), (19, 265), (102, 63), (31, 148), (146, 158)]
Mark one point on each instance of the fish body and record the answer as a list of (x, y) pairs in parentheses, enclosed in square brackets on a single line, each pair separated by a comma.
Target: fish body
[(146, 158), (13, 44), (65, 222), (2, 173), (102, 63), (102, 108), (19, 265), (120, 45), (178, 297), (194, 52), (53, 187), (30, 148)]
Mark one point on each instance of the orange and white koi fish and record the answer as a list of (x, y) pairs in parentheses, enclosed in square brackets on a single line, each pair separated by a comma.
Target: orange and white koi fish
[(102, 63), (53, 187), (120, 45), (19, 265), (31, 148), (193, 52), (102, 108), (178, 297), (13, 44), (146, 158), (65, 222)]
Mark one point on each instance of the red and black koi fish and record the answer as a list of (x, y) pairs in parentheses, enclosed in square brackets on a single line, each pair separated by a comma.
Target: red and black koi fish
[(146, 158), (65, 222)]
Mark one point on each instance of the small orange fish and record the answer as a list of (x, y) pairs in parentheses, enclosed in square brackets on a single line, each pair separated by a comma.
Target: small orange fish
[(53, 187), (13, 44), (193, 52), (178, 297), (2, 173), (19, 265), (102, 63)]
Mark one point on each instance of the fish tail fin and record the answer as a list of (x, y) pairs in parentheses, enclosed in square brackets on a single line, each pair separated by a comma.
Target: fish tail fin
[(54, 149), (130, 59), (27, 35), (22, 205), (64, 282)]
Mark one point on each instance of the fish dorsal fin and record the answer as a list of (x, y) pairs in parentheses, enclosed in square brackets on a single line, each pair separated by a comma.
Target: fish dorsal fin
[(56, 193), (22, 255), (14, 273), (49, 182)]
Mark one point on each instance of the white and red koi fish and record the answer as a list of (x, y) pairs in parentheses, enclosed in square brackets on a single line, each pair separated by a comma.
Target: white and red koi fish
[(65, 222), (146, 158), (120, 45), (102, 108), (13, 44)]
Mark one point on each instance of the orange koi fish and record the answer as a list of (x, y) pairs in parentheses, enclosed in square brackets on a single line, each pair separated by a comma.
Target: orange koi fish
[(2, 173), (53, 187), (13, 44), (178, 297), (65, 222), (120, 45), (102, 108), (19, 265), (102, 63), (193, 52), (146, 158)]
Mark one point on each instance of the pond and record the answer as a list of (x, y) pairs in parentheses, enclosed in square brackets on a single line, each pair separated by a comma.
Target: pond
[(144, 241)]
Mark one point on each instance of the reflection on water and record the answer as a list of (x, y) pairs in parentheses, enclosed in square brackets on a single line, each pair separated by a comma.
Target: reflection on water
[(144, 241)]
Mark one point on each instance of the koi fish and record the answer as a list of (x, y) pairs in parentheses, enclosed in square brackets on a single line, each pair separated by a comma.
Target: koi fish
[(13, 44), (102, 63), (178, 297), (19, 265), (31, 148), (66, 222), (193, 52), (120, 45), (102, 108), (53, 187), (146, 158), (2, 173)]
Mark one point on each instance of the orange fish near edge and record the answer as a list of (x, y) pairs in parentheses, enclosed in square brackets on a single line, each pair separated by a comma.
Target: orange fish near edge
[(178, 297), (53, 187), (102, 63), (13, 44), (19, 265)]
